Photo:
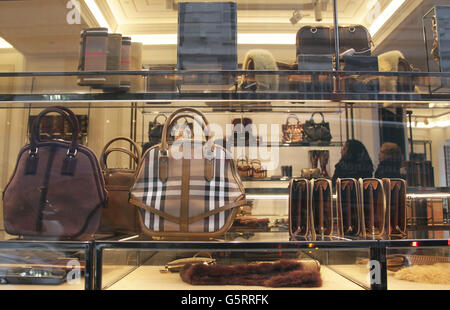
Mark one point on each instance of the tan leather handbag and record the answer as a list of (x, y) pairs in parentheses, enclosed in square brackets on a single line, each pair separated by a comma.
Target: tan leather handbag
[(292, 132), (57, 189), (187, 189), (119, 216)]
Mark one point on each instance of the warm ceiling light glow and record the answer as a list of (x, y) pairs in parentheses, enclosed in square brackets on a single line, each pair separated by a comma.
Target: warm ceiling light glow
[(242, 38), (384, 17), (95, 10), (267, 38), (155, 39), (4, 44)]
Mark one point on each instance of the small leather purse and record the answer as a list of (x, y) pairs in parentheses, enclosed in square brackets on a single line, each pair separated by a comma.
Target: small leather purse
[(322, 208), (119, 215), (292, 132), (299, 208), (373, 207), (348, 207), (395, 191)]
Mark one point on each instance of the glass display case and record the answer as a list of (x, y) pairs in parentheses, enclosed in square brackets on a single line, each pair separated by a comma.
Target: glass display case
[(274, 86)]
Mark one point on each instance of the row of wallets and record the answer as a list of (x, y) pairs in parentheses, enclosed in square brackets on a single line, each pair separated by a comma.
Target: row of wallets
[(362, 208)]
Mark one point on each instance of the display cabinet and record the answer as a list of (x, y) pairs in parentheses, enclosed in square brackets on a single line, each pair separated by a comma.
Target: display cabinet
[(280, 66)]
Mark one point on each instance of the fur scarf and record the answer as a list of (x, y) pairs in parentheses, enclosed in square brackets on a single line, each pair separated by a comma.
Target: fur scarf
[(284, 273)]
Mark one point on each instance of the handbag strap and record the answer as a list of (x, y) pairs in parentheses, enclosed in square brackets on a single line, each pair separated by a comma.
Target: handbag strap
[(68, 115), (292, 116), (164, 147), (186, 116), (312, 117), (155, 120), (103, 162), (136, 154)]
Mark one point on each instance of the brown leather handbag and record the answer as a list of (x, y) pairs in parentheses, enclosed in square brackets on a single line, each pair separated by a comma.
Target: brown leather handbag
[(373, 202), (292, 132), (119, 216), (187, 189), (57, 189)]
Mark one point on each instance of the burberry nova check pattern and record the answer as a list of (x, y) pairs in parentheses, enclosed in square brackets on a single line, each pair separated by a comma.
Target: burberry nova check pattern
[(150, 193)]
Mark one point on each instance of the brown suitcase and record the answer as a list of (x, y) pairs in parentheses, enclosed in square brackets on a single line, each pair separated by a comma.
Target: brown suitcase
[(56, 189), (119, 216)]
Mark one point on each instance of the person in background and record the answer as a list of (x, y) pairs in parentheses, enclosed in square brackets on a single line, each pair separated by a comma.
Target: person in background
[(355, 162), (390, 157)]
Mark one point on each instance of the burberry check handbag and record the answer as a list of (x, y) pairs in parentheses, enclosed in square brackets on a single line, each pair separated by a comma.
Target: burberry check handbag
[(186, 189)]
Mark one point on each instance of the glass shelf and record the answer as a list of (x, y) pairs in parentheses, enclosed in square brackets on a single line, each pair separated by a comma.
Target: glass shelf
[(29, 83)]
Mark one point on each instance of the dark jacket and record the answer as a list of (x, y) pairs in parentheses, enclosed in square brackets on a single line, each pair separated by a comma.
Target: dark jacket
[(351, 169), (389, 168)]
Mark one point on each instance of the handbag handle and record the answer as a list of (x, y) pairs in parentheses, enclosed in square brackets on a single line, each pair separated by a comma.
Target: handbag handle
[(136, 155), (68, 115), (155, 120), (312, 117), (105, 155), (292, 116), (164, 147), (185, 116), (164, 144)]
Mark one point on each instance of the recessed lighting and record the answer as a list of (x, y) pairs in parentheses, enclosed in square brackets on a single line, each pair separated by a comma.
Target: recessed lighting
[(242, 38), (385, 15), (4, 44), (95, 10)]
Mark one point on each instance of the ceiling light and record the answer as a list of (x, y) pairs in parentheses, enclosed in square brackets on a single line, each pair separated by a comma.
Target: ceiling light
[(4, 44), (155, 39), (385, 15), (95, 10), (242, 38), (266, 38)]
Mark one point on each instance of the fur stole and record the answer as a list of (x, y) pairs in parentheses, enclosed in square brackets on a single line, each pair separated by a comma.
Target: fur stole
[(284, 273)]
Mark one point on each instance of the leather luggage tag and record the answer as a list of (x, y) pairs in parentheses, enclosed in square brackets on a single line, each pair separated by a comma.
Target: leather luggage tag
[(178, 264)]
